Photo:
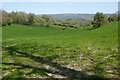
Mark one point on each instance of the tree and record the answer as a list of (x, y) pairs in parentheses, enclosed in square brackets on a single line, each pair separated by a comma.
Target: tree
[(99, 19), (19, 17), (0, 18), (113, 17), (31, 19), (6, 21), (24, 18), (118, 17), (47, 20), (4, 13), (38, 21), (13, 15)]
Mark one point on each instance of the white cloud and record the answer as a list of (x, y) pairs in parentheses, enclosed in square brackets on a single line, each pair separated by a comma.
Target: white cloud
[(59, 0)]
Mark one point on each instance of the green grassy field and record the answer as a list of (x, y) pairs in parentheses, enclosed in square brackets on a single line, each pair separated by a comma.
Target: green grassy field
[(40, 52)]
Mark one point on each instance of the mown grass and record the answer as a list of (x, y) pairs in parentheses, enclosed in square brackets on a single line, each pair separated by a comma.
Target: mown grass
[(40, 52)]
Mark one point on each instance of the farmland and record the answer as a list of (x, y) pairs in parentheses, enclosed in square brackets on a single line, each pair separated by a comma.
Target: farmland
[(41, 52)]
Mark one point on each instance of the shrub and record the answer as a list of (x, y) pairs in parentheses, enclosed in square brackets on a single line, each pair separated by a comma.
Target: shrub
[(6, 21), (99, 19)]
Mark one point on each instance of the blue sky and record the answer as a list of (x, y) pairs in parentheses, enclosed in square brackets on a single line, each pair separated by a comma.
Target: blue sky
[(59, 0), (61, 7)]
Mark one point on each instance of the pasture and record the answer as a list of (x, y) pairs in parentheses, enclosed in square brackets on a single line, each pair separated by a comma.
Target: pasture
[(41, 52)]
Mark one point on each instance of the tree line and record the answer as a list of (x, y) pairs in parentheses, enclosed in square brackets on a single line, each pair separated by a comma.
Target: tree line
[(38, 20), (25, 18), (45, 20), (100, 19)]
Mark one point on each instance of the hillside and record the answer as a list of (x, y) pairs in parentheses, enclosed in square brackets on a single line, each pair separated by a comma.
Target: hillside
[(56, 33), (74, 16), (40, 52)]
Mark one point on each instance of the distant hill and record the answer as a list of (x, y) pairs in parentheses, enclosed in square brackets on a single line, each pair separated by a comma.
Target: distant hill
[(74, 16)]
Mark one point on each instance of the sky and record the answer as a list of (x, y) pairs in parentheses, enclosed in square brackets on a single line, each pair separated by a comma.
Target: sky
[(59, 0), (61, 7)]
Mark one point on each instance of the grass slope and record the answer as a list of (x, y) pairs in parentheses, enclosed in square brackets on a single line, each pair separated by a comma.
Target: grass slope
[(41, 52)]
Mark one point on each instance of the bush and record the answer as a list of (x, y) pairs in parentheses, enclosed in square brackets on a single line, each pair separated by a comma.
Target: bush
[(99, 19), (47, 25), (6, 21), (113, 18)]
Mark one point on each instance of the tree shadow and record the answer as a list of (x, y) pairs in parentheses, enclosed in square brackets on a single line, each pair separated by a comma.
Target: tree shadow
[(91, 28), (63, 71), (19, 66)]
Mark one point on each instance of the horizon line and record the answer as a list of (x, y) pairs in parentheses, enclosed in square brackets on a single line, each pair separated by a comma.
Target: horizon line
[(59, 13)]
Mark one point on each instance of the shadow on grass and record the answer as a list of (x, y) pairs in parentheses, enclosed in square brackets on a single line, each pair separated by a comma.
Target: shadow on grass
[(69, 74), (91, 28)]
